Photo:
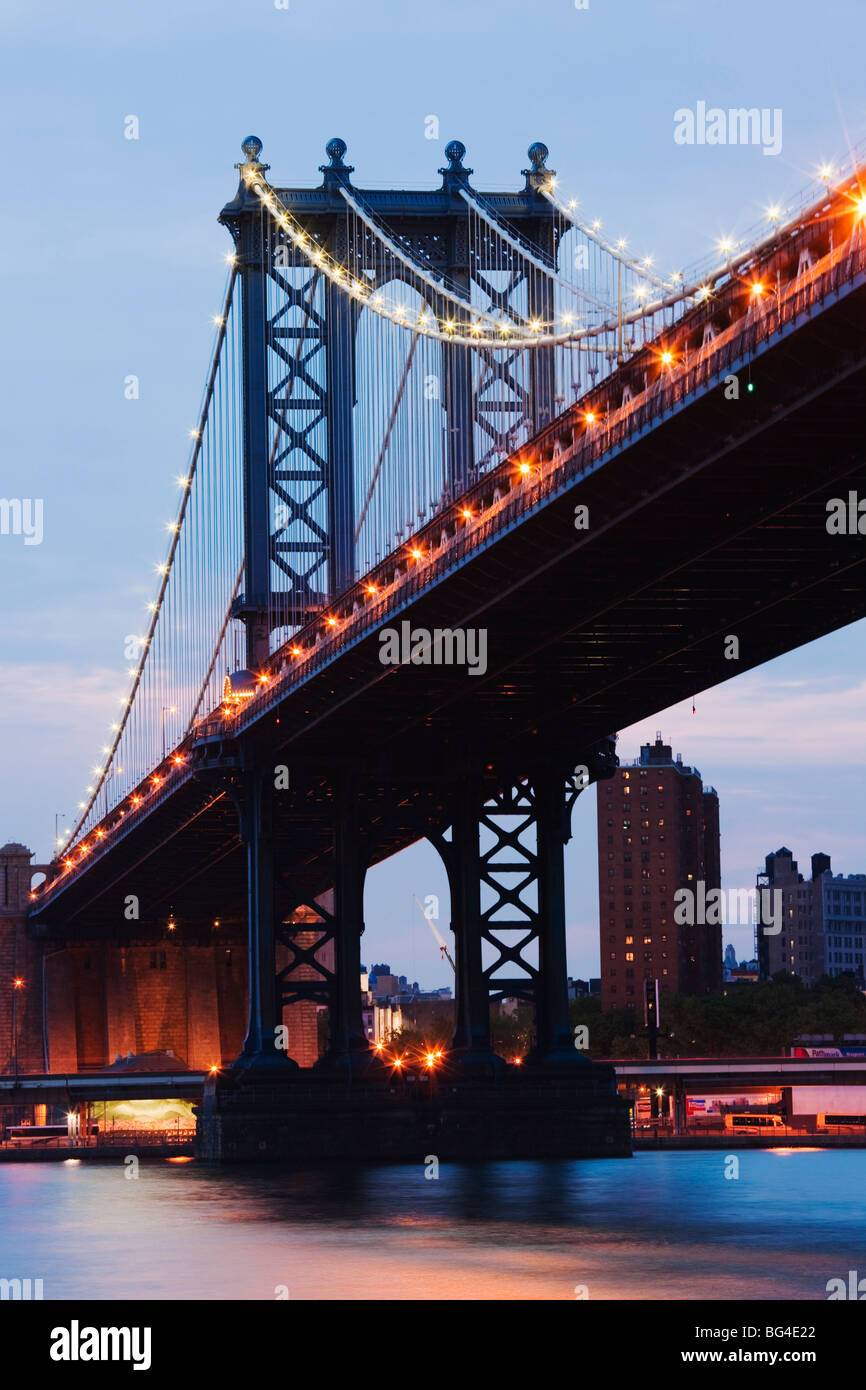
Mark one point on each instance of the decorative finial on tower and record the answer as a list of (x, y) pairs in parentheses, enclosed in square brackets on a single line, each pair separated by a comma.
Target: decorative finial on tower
[(539, 176), (335, 149), (456, 173), (336, 171), (252, 148)]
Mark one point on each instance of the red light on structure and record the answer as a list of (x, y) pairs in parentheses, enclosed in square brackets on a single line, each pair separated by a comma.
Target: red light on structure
[(177, 759), (100, 834), (213, 1068), (466, 514), (19, 983), (525, 468), (589, 417), (416, 553), (155, 781), (136, 801), (371, 588), (518, 1061), (296, 651), (667, 358), (757, 288), (332, 622)]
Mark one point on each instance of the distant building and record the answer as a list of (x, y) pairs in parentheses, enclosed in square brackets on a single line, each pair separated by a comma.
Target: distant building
[(843, 911), (581, 989), (808, 907), (798, 948), (658, 831), (746, 973), (730, 957)]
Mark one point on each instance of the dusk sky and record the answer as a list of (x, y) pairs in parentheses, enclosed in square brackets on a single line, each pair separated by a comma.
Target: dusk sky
[(114, 263)]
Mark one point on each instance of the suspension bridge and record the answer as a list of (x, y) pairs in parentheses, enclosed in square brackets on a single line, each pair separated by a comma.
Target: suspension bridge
[(443, 415)]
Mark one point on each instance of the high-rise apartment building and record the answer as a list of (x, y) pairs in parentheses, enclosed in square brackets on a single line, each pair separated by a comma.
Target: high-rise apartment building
[(658, 831)]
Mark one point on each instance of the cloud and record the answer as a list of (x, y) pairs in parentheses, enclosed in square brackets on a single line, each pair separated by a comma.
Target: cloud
[(759, 720)]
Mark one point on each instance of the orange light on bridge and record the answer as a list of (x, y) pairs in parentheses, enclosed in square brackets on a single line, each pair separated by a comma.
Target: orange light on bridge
[(177, 759), (18, 983), (466, 514), (67, 863), (136, 801), (757, 288), (155, 781), (589, 417), (518, 1061), (667, 358), (332, 622), (296, 651), (861, 207), (430, 1059), (371, 589), (525, 468), (100, 834), (213, 1068), (416, 553)]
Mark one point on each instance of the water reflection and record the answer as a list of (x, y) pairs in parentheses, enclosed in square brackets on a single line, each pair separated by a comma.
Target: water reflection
[(663, 1225)]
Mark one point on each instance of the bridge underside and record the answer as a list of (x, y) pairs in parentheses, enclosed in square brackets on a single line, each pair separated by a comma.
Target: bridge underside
[(711, 525)]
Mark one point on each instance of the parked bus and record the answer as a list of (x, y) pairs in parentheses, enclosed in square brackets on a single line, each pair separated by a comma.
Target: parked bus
[(754, 1122), (841, 1121)]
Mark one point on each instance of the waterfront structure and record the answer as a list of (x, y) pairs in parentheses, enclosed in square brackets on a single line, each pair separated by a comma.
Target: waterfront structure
[(658, 832)]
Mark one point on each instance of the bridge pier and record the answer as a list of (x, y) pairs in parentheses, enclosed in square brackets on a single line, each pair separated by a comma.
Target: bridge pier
[(472, 1045), (348, 1048), (475, 1105), (261, 1049), (554, 1043)]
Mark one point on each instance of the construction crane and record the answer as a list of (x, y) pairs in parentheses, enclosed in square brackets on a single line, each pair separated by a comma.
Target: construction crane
[(435, 930)]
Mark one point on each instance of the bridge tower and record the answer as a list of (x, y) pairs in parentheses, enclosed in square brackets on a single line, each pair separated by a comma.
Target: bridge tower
[(301, 366), (300, 338)]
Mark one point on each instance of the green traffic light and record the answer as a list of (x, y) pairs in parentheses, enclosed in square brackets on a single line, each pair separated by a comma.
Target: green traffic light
[(750, 387)]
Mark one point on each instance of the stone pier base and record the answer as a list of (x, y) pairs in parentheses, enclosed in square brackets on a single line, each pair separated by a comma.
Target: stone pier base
[(521, 1114)]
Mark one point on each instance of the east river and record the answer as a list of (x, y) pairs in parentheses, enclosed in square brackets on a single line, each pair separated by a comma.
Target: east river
[(658, 1226)]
